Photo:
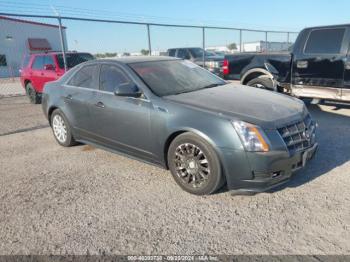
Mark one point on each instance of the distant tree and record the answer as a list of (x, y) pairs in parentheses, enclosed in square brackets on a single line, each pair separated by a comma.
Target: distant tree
[(111, 54), (144, 52), (126, 54), (98, 55), (232, 46)]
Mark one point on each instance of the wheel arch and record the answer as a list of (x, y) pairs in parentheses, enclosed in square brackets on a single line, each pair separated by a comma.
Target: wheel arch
[(176, 133), (255, 73), (26, 82), (49, 113)]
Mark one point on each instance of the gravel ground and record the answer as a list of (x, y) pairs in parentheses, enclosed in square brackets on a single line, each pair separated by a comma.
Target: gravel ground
[(17, 114), (10, 87), (83, 200)]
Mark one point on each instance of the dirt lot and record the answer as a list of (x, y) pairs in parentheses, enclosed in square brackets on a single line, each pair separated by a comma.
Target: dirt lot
[(10, 87), (82, 200)]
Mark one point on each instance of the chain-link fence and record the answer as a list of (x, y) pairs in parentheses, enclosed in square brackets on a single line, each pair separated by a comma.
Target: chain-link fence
[(24, 34)]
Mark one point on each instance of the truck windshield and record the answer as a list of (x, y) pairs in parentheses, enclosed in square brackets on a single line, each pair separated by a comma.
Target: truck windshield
[(74, 59), (175, 77)]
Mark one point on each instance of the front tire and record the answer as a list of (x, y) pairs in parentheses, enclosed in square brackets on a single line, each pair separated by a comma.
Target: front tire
[(263, 82), (61, 129), (33, 96), (195, 165)]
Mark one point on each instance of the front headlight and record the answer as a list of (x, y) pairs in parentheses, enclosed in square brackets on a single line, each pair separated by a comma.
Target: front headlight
[(252, 137)]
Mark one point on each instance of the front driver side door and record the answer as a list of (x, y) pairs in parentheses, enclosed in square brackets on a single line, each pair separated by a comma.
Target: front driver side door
[(121, 123)]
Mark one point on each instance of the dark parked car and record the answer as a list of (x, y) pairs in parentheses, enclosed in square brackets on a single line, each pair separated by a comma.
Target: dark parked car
[(213, 62), (40, 68), (175, 114), (317, 67)]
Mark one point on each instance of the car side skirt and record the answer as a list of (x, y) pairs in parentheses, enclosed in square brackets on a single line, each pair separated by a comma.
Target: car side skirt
[(125, 154)]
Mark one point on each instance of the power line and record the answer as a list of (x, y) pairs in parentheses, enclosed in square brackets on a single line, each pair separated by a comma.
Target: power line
[(75, 11)]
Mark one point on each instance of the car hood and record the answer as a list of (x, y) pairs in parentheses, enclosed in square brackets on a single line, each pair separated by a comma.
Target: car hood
[(267, 109)]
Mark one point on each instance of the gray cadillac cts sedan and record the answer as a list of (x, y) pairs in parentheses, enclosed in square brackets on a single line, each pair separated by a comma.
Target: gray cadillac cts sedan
[(175, 114)]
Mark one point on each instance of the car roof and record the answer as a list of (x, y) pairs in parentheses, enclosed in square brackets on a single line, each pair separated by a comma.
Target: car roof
[(327, 26), (138, 59)]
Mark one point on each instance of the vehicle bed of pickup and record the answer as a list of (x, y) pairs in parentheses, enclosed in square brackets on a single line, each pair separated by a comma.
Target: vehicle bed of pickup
[(239, 65)]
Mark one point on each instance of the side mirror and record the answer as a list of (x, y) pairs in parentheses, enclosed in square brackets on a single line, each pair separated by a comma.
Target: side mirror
[(128, 89), (49, 67)]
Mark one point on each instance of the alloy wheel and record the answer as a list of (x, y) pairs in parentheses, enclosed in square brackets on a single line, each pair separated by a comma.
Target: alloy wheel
[(192, 166), (59, 128)]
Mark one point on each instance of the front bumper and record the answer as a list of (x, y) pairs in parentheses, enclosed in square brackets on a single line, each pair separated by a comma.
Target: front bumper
[(264, 171)]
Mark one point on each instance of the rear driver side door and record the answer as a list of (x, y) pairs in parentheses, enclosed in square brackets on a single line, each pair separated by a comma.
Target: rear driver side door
[(78, 99)]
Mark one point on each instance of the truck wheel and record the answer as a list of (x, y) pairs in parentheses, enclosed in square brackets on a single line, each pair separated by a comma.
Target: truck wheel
[(61, 129), (263, 83), (195, 165), (33, 96)]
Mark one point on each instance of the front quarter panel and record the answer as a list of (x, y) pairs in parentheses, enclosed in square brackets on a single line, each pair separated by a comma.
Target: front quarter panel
[(169, 118)]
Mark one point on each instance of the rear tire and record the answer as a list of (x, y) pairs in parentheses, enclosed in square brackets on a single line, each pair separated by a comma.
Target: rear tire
[(61, 129), (195, 165), (263, 82), (33, 96)]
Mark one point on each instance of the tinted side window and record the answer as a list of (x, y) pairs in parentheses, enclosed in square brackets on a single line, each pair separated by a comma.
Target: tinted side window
[(85, 77), (111, 77), (38, 63), (49, 60), (73, 59), (172, 52), (3, 60), (183, 53), (325, 41)]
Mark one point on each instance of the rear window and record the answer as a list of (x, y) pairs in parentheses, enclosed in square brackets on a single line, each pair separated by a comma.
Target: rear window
[(85, 77), (171, 52), (38, 63), (49, 60), (325, 41), (74, 59), (3, 61), (183, 53)]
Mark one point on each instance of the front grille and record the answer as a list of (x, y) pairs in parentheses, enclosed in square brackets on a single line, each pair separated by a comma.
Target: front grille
[(300, 135)]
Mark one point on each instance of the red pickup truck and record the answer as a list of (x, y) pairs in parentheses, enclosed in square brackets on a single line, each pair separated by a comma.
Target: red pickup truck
[(39, 68)]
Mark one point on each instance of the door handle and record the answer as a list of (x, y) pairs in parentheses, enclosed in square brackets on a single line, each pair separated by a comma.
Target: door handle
[(100, 104), (302, 64)]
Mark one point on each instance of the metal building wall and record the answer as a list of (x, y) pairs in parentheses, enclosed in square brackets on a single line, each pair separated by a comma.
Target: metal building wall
[(14, 44)]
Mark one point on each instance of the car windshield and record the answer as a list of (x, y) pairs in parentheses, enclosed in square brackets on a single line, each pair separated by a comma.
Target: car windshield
[(198, 52), (175, 77), (74, 59)]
